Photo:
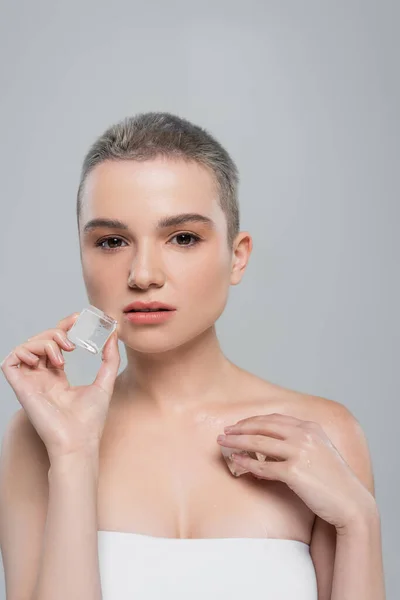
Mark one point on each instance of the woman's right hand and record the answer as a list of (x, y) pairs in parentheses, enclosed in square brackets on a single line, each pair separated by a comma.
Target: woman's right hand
[(69, 420)]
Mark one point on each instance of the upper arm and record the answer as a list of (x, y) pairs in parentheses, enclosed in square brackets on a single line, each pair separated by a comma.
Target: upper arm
[(347, 436), (24, 466)]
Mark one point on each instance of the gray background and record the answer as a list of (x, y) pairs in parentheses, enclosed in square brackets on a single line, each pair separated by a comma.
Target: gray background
[(305, 96)]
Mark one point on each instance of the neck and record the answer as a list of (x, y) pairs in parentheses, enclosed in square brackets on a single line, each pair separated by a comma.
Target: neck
[(178, 380)]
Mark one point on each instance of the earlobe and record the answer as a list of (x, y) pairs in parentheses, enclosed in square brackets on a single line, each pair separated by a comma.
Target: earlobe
[(235, 277)]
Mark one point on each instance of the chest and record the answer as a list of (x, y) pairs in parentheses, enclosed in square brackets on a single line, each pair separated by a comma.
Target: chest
[(173, 482)]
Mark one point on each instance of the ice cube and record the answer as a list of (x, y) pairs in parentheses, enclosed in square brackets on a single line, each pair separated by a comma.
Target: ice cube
[(92, 329)]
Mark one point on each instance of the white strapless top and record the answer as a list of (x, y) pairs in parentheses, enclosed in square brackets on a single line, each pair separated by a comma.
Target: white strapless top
[(134, 566)]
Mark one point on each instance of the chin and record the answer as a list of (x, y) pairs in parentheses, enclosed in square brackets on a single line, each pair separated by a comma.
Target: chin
[(149, 342)]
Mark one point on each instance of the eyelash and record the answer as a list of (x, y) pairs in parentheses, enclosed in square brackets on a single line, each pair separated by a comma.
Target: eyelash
[(114, 237)]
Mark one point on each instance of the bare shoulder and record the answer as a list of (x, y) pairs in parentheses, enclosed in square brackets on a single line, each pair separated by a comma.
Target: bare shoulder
[(337, 421), (329, 413)]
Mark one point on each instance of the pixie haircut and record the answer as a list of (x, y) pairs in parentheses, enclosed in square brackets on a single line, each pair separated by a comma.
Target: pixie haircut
[(148, 135)]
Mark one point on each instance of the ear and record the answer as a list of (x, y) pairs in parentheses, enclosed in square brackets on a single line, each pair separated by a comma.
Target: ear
[(242, 248)]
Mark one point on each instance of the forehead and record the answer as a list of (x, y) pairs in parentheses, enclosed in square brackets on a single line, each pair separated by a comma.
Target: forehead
[(160, 186)]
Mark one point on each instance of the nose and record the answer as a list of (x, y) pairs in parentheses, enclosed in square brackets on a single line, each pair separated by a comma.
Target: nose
[(146, 270)]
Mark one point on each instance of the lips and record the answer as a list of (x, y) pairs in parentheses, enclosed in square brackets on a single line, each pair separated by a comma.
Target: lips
[(149, 318), (148, 310), (151, 306)]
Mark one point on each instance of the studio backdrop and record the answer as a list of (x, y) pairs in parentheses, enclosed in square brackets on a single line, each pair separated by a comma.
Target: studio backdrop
[(305, 97)]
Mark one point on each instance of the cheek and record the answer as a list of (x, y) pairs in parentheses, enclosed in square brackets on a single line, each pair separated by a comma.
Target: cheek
[(207, 282)]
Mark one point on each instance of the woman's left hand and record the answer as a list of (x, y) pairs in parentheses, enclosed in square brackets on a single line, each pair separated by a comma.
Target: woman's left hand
[(307, 462)]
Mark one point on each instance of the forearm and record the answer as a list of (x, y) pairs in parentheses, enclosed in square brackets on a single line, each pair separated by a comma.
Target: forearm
[(358, 571), (69, 566)]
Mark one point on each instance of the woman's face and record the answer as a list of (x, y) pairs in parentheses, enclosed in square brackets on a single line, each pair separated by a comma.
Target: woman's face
[(188, 266)]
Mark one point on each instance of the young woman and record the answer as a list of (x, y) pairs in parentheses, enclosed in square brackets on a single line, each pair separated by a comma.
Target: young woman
[(120, 489)]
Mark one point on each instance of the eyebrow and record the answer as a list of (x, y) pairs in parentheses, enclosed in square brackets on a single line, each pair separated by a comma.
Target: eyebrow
[(163, 223)]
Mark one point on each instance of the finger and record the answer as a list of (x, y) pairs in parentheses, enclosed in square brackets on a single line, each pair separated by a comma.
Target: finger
[(28, 357), (10, 368), (49, 349), (19, 355), (26, 361), (67, 322), (278, 471), (269, 418), (257, 443), (274, 429), (13, 367), (108, 371), (57, 335), (12, 364)]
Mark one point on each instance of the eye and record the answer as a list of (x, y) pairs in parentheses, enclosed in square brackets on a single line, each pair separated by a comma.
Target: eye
[(101, 242), (184, 235), (187, 235)]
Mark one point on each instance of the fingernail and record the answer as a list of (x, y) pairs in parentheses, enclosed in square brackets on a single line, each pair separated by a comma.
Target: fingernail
[(228, 429)]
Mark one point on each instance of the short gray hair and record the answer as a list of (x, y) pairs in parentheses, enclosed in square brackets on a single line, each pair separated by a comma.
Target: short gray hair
[(148, 135)]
